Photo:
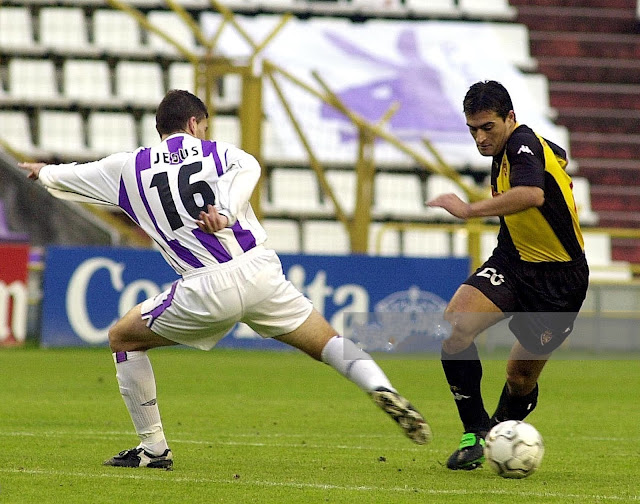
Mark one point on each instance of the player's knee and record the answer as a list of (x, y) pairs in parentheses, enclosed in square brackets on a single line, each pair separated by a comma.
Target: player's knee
[(462, 332), (115, 339)]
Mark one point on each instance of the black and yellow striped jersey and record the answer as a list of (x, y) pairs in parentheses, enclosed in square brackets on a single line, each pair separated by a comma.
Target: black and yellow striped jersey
[(550, 233)]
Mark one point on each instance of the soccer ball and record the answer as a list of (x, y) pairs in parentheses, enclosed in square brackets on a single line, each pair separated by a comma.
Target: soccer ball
[(514, 449)]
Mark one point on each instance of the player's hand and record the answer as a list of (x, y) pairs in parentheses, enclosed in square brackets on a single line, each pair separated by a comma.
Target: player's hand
[(452, 204), (211, 221), (32, 168)]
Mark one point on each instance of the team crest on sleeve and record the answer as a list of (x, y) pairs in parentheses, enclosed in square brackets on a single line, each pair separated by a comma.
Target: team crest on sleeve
[(525, 149)]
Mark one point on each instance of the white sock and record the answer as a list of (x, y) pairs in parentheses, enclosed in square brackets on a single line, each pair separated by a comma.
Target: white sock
[(138, 389), (355, 364)]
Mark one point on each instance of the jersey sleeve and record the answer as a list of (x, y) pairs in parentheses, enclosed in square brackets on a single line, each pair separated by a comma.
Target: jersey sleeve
[(526, 157), (97, 181), (237, 183)]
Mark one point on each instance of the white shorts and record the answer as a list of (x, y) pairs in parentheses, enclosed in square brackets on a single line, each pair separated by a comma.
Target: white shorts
[(202, 307)]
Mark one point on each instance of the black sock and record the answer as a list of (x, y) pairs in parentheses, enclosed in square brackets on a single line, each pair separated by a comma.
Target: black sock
[(512, 407), (464, 373)]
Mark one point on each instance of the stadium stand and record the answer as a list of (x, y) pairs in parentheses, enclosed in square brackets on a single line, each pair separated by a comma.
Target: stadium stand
[(589, 52), (104, 75)]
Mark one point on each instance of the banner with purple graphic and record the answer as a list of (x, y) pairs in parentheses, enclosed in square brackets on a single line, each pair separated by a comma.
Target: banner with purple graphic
[(425, 67), (86, 289)]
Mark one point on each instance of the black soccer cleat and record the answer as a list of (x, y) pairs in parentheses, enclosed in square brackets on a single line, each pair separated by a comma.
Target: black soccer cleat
[(138, 457), (407, 417), (470, 453)]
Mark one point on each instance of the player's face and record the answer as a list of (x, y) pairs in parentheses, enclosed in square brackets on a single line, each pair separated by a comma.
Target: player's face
[(201, 129), (490, 131)]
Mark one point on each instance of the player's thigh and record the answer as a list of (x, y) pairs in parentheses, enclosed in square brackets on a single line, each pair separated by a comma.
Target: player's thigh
[(131, 334), (312, 336), (469, 312), (524, 369)]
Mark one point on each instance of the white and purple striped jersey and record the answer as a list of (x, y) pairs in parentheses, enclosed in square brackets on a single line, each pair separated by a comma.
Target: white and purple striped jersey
[(164, 188)]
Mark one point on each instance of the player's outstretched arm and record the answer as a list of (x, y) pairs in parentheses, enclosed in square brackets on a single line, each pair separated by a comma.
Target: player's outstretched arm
[(32, 168)]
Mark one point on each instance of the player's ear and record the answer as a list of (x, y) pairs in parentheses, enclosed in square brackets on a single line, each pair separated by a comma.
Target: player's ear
[(192, 126)]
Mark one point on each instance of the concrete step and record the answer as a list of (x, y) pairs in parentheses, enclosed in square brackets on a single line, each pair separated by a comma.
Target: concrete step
[(574, 18), (580, 69), (606, 171), (586, 45), (593, 95), (615, 198), (603, 120), (620, 4), (605, 145)]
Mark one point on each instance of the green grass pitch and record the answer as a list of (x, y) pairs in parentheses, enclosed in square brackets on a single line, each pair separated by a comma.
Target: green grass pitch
[(280, 428)]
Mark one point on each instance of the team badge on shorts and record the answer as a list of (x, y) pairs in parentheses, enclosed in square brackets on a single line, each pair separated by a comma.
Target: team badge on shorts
[(546, 337)]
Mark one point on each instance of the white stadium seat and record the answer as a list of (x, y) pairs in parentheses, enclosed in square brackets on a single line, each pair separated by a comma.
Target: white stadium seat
[(436, 8), (440, 184), (283, 235), (139, 82), (487, 9), (295, 190), (343, 184), (16, 28), (61, 132), (116, 32), (64, 28), (87, 80), (226, 129), (182, 76), (172, 25), (33, 79), (398, 195), (15, 130), (111, 132), (514, 41), (582, 197), (324, 237), (149, 134)]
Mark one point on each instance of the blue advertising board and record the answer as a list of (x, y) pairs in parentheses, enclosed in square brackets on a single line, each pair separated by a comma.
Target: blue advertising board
[(86, 289)]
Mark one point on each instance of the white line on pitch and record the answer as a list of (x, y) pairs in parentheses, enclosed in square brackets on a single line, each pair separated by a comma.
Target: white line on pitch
[(321, 486)]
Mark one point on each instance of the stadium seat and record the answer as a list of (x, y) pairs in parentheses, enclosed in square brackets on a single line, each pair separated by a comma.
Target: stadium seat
[(440, 184), (117, 33), (597, 248), (433, 8), (538, 85), (110, 132), (295, 190), (582, 197), (61, 132), (172, 25), (343, 184), (64, 28), (148, 133), (87, 81), (226, 129), (139, 83), (423, 243), (487, 9), (181, 76), (398, 195), (16, 131), (389, 240), (514, 40), (283, 235), (17, 29), (324, 237), (33, 79)]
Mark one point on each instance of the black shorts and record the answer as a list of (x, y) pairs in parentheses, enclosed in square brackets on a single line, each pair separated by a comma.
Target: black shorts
[(542, 299)]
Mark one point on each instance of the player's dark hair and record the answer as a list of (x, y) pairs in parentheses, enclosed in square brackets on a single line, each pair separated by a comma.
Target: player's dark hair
[(175, 110), (487, 96)]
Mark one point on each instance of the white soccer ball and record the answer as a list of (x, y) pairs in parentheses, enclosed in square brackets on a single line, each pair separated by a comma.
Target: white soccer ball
[(514, 449)]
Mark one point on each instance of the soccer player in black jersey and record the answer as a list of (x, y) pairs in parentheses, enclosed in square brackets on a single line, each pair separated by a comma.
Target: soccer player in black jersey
[(537, 275)]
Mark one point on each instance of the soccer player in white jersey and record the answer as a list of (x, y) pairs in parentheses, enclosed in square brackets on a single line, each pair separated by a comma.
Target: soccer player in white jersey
[(191, 196)]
